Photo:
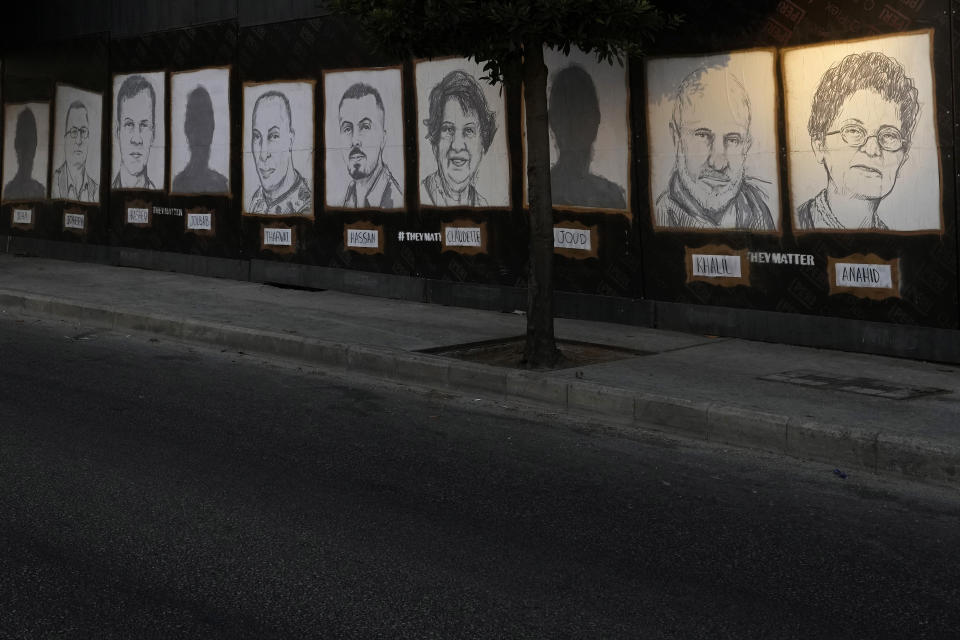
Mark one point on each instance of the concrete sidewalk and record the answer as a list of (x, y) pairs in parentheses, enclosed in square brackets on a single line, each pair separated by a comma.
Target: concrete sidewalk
[(846, 410)]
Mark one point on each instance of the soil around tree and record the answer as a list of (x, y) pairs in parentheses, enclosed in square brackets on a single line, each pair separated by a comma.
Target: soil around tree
[(508, 352)]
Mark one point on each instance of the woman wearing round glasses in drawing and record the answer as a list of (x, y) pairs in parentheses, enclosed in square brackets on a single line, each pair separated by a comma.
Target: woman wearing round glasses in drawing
[(863, 115)]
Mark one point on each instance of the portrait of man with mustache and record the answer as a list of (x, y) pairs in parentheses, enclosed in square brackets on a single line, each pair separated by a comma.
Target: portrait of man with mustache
[(363, 134), (72, 180), (708, 187)]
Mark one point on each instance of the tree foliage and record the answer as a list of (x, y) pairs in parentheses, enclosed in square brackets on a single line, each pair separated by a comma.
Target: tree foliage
[(494, 32), (507, 37)]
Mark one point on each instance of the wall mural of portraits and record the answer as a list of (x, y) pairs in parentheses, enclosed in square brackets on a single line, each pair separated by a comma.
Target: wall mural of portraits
[(278, 145), (139, 131), (861, 130), (463, 156), (200, 132), (587, 106), (363, 130), (77, 145), (712, 131), (26, 151)]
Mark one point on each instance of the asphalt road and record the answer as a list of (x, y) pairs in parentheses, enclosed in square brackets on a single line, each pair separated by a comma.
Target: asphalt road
[(156, 489)]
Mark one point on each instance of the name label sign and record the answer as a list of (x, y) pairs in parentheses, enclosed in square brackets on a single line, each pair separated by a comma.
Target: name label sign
[(199, 221), (23, 216), (76, 221), (875, 276), (138, 215), (363, 238), (463, 237), (864, 276), (718, 265), (277, 237), (570, 238)]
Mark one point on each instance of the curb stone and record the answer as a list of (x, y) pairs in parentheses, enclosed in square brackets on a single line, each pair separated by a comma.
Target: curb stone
[(909, 457)]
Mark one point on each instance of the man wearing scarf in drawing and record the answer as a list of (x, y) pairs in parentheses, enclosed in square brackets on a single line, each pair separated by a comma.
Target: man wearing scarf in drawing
[(709, 187)]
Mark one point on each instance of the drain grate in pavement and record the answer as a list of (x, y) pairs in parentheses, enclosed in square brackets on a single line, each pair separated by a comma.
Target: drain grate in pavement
[(507, 352), (853, 384)]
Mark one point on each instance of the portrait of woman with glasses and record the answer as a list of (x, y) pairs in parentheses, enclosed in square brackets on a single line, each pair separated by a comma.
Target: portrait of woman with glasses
[(863, 115)]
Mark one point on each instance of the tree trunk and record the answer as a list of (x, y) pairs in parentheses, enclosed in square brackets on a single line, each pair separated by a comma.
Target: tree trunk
[(541, 348)]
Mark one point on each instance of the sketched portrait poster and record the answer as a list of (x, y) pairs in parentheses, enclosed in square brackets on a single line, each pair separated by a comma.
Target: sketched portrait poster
[(587, 103), (139, 131), (278, 143), (363, 134), (712, 131), (25, 151), (200, 131), (462, 136), (77, 145), (861, 135)]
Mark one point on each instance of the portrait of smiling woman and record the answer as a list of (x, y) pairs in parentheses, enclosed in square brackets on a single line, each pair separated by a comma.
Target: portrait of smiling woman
[(861, 120), (463, 153)]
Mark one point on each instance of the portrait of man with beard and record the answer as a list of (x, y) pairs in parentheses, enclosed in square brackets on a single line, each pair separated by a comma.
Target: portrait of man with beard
[(708, 187), (362, 135)]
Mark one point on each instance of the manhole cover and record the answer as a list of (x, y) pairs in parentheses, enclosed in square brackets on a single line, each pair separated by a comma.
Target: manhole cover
[(853, 384), (507, 352)]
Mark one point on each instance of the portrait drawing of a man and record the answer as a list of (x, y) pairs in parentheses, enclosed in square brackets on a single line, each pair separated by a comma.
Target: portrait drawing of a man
[(283, 190), (136, 128), (363, 135), (71, 180), (708, 187)]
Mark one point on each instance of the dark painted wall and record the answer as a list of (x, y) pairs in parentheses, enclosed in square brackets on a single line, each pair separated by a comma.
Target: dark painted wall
[(297, 39)]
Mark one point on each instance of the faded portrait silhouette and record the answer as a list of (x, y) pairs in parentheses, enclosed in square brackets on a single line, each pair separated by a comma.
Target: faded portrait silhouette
[(708, 187), (23, 186), (198, 125), (863, 116), (574, 116), (282, 190), (136, 127), (363, 135), (460, 128), (71, 180)]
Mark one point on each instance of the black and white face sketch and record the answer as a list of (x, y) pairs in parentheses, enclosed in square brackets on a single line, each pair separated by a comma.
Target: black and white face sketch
[(863, 153), (589, 131), (139, 135), (25, 154), (463, 153), (713, 142), (76, 145), (200, 132), (364, 139), (278, 149)]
